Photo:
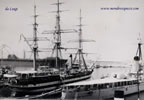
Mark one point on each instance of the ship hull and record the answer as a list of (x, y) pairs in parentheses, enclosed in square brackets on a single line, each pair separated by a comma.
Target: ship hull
[(101, 94), (45, 88), (76, 78), (20, 92)]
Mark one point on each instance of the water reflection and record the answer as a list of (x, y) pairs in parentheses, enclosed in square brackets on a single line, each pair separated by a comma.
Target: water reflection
[(135, 97)]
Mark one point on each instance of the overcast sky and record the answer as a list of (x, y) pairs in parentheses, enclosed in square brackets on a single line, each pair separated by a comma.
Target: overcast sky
[(115, 31)]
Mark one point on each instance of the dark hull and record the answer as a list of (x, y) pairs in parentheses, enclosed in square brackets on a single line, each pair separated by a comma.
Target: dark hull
[(48, 87), (1, 84), (77, 77), (54, 94)]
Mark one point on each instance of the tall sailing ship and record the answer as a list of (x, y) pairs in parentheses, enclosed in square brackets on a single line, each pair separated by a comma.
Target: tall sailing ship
[(46, 80)]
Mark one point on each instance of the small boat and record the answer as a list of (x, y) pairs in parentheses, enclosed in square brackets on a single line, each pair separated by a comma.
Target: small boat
[(4, 70), (106, 88)]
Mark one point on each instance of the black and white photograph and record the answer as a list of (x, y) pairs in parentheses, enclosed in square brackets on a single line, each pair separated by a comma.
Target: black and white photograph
[(71, 49)]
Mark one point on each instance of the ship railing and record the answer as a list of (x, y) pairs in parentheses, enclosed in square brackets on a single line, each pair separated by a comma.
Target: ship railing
[(92, 87), (31, 75), (39, 84)]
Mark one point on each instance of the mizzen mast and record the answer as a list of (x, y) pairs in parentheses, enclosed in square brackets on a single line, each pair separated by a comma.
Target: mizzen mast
[(80, 48), (80, 39)]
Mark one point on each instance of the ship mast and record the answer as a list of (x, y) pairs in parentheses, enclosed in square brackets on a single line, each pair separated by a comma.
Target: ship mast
[(35, 46), (138, 58), (35, 39), (80, 40), (57, 34)]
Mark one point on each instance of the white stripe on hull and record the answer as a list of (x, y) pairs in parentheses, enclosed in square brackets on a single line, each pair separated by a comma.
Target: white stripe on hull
[(37, 85), (46, 94), (76, 79)]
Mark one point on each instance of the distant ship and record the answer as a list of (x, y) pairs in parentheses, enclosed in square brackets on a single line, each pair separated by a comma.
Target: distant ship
[(47, 80), (25, 63), (107, 87)]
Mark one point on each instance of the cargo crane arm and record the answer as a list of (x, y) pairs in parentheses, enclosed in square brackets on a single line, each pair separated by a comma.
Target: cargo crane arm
[(25, 39)]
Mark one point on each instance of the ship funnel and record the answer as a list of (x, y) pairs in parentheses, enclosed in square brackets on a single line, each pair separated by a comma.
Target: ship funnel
[(136, 58), (71, 59), (136, 67)]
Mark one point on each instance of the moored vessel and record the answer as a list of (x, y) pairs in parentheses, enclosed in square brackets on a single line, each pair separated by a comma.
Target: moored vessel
[(105, 88), (47, 80)]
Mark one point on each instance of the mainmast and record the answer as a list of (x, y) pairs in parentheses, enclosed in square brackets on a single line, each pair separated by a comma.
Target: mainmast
[(57, 34), (35, 46)]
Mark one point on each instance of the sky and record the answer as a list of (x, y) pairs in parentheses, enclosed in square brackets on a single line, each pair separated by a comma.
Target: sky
[(115, 31)]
